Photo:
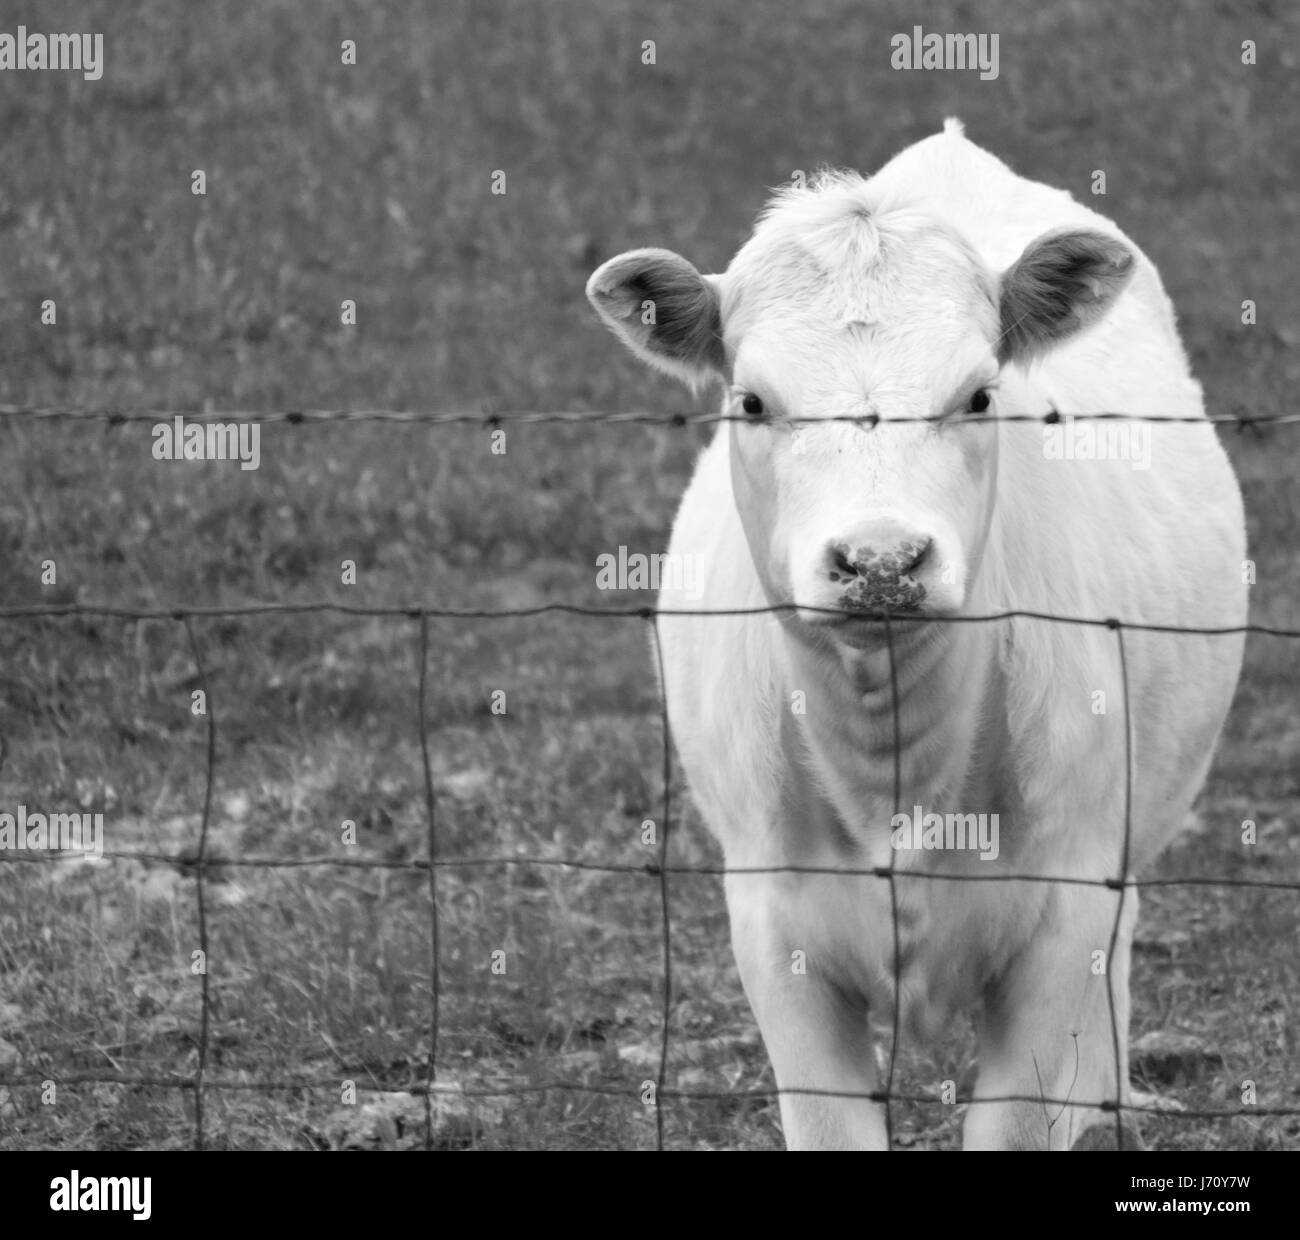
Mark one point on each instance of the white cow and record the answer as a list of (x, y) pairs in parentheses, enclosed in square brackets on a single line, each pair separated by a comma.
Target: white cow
[(948, 289)]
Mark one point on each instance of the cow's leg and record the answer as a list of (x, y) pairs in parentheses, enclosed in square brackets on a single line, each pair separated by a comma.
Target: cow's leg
[(816, 1034), (1047, 1033)]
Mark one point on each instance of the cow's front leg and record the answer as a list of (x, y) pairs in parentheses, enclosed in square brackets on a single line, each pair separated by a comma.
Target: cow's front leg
[(1047, 1034), (816, 1034)]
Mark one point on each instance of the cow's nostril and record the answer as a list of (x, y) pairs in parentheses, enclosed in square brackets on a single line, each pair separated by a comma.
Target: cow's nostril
[(918, 555), (851, 563), (842, 568)]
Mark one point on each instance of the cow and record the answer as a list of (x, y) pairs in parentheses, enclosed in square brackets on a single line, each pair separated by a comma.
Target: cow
[(899, 468)]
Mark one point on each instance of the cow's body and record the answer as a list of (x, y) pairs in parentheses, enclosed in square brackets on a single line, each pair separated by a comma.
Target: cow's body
[(787, 734)]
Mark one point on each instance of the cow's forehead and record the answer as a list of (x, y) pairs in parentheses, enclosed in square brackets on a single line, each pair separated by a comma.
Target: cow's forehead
[(897, 272), (913, 319)]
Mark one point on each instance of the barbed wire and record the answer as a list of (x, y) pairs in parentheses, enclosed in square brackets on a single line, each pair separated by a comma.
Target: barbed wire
[(494, 419), (415, 611)]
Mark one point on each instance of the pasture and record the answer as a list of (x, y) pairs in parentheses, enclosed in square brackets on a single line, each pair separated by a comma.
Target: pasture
[(373, 182)]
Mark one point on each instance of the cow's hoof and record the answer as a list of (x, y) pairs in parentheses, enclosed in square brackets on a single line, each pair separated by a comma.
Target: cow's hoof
[(1103, 1137)]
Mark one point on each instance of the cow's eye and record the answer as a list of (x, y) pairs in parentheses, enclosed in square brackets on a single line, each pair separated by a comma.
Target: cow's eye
[(752, 406), (979, 401)]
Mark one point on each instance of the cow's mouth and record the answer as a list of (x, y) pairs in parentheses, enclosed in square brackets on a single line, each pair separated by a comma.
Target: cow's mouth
[(867, 629)]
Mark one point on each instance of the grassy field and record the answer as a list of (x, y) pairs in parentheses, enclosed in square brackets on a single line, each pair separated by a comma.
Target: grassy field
[(372, 182)]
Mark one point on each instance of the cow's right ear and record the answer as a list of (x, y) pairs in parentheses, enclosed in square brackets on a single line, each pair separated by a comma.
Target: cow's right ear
[(664, 310)]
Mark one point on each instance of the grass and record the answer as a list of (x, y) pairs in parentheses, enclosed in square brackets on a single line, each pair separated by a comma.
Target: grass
[(371, 183)]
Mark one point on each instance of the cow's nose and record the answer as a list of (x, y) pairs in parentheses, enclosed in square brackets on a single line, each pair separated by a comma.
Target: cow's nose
[(878, 570)]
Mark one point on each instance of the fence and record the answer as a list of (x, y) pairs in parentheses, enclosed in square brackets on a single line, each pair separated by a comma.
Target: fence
[(660, 869)]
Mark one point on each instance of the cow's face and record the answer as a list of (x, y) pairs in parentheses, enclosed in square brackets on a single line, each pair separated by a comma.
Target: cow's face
[(834, 311), (888, 513)]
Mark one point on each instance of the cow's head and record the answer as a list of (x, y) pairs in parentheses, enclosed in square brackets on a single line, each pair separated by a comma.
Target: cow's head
[(842, 307)]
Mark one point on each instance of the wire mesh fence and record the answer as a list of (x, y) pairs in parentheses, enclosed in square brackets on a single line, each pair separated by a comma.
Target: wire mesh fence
[(661, 869)]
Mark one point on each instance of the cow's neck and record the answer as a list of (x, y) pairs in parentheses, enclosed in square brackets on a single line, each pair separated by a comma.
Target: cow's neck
[(941, 685)]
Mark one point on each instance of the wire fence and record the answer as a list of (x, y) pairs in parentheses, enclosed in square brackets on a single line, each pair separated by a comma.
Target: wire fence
[(1242, 419), (662, 868)]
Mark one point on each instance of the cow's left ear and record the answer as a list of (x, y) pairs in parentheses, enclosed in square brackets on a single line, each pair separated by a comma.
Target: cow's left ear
[(1063, 283), (664, 310)]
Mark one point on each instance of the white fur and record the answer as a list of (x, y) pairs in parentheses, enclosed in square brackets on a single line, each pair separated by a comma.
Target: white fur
[(880, 295)]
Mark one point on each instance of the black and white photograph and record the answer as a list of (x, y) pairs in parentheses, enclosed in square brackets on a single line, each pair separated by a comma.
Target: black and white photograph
[(606, 577)]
